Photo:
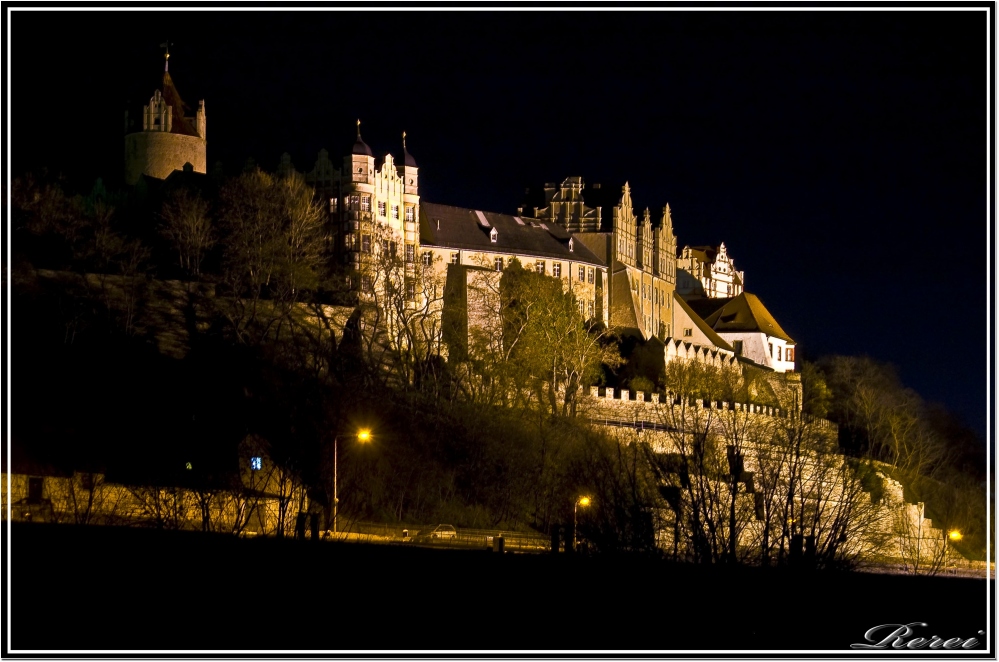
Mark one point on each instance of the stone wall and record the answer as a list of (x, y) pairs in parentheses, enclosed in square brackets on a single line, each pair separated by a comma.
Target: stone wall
[(157, 154)]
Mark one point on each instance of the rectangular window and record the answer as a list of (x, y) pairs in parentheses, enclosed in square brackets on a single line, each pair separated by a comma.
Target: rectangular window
[(381, 208), (589, 275), (428, 259), (582, 309), (582, 274), (771, 349), (332, 205), (410, 290), (256, 463), (385, 247), (557, 269), (454, 258), (589, 309), (393, 249), (365, 243), (499, 264), (395, 212), (778, 354), (539, 266), (35, 490), (355, 202), (737, 345), (789, 354), (687, 333), (410, 214), (365, 203), (410, 253)]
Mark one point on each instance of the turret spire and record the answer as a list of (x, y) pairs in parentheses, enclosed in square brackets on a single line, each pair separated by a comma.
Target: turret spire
[(404, 140), (166, 56), (359, 129)]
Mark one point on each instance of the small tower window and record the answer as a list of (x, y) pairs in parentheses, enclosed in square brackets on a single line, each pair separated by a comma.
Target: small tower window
[(493, 235), (256, 464)]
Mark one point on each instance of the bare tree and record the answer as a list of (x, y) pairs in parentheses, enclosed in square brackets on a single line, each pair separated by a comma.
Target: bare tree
[(186, 224)]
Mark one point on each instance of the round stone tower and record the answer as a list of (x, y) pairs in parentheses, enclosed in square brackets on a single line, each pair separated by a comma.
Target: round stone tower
[(169, 139)]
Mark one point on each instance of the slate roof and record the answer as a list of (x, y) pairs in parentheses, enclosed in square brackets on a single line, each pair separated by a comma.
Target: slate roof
[(457, 227), (745, 313), (181, 123), (361, 147), (703, 325)]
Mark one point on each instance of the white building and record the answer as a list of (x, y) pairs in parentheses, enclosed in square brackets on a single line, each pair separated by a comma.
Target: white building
[(707, 271), (746, 324)]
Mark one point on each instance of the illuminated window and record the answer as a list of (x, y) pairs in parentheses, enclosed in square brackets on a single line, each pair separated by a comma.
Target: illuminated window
[(395, 212), (454, 258), (539, 266), (582, 309), (582, 274), (410, 290), (499, 264), (410, 253), (256, 463), (355, 201), (789, 354), (365, 203), (428, 258), (332, 204), (557, 269), (493, 235), (381, 208), (410, 214), (589, 275), (687, 333)]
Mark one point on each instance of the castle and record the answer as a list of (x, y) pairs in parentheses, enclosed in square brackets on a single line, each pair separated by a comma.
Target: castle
[(621, 264)]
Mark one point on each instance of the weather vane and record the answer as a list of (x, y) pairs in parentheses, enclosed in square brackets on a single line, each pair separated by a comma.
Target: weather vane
[(358, 129)]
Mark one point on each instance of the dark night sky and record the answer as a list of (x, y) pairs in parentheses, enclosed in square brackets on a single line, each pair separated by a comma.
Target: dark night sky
[(841, 155)]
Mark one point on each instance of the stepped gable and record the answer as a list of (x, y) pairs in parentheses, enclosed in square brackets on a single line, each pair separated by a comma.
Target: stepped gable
[(703, 325), (458, 227), (746, 313)]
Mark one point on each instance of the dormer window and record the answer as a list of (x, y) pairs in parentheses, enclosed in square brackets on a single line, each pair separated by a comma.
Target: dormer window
[(493, 235)]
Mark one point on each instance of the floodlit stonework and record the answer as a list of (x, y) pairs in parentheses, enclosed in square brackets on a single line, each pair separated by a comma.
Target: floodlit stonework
[(168, 140)]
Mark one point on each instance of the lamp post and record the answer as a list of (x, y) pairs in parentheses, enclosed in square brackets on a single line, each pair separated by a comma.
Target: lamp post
[(583, 501), (954, 535), (363, 436)]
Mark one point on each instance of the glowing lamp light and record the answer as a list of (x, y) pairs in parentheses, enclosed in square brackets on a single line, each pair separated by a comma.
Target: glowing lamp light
[(584, 501), (364, 436), (955, 535)]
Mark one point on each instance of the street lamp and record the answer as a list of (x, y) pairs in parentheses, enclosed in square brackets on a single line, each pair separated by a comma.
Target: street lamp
[(954, 535), (583, 501), (363, 436)]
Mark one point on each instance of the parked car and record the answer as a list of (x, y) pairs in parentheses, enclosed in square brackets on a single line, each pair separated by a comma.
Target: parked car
[(443, 532)]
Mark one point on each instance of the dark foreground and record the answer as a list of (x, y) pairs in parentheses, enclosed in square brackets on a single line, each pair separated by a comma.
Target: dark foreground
[(84, 589)]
